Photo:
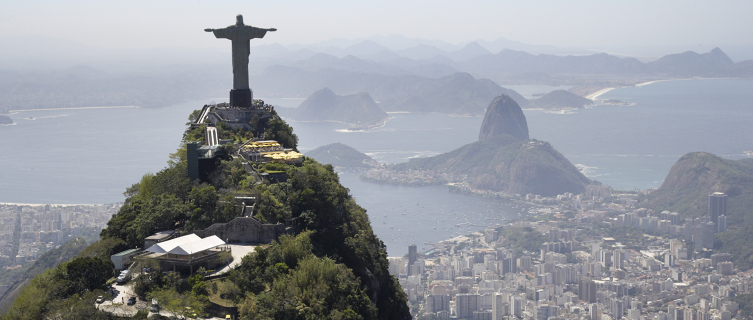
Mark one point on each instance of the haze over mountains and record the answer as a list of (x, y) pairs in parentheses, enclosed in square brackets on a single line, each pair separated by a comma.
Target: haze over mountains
[(325, 105), (402, 74)]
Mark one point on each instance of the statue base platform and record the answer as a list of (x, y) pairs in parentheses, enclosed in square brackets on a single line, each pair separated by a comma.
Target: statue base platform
[(241, 98)]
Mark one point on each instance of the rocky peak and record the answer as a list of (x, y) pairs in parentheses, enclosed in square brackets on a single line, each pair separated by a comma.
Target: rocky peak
[(503, 116)]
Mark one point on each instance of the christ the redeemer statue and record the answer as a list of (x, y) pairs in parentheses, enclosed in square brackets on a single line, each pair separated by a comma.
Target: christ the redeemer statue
[(240, 35)]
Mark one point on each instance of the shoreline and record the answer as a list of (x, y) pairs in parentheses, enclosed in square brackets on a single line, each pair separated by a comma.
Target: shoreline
[(77, 108), (53, 204), (364, 127), (596, 94)]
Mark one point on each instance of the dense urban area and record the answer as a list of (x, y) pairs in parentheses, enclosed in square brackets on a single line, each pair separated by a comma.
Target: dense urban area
[(591, 256), (27, 231)]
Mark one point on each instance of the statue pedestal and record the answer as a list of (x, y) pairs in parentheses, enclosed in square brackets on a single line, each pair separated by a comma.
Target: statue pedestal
[(241, 98)]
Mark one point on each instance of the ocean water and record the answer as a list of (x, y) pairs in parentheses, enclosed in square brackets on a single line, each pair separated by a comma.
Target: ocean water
[(91, 156), (86, 155), (635, 146)]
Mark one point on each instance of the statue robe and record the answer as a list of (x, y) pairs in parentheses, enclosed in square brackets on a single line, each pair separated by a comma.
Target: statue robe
[(240, 37)]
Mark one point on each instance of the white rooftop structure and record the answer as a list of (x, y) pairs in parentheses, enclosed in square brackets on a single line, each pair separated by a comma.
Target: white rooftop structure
[(164, 247), (197, 246)]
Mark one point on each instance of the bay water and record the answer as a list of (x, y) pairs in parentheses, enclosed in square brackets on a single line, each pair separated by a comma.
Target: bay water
[(92, 155)]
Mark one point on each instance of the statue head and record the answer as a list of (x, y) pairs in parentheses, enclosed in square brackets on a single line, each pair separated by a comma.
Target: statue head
[(239, 20)]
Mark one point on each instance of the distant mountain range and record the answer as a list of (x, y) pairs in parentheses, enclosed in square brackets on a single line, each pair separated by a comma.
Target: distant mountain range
[(459, 93), (403, 74), (429, 61)]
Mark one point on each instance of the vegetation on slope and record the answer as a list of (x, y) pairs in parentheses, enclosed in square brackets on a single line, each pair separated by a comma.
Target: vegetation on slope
[(271, 128), (687, 187), (509, 165), (521, 239), (68, 290), (17, 278), (337, 268)]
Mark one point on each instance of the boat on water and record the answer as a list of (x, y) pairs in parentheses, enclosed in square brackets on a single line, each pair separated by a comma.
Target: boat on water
[(748, 153)]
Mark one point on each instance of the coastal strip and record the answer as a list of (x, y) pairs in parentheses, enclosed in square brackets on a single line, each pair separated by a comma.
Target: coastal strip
[(51, 204), (79, 108), (596, 94)]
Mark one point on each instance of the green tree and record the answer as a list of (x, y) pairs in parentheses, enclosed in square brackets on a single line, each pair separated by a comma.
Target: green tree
[(87, 274), (175, 302), (318, 288), (280, 131)]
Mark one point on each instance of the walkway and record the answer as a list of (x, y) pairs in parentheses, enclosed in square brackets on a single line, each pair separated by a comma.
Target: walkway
[(238, 251)]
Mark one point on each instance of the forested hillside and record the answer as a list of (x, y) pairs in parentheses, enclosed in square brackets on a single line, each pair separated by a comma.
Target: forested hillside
[(336, 268)]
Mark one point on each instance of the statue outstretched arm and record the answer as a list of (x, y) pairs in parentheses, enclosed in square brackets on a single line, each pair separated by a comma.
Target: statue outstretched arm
[(208, 30)]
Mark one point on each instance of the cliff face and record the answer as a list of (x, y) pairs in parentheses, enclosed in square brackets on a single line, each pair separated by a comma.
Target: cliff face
[(325, 105), (503, 116)]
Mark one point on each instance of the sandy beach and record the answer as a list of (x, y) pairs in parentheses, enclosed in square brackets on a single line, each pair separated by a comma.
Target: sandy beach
[(596, 94)]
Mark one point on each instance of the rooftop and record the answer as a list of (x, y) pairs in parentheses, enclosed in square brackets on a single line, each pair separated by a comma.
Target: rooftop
[(160, 235)]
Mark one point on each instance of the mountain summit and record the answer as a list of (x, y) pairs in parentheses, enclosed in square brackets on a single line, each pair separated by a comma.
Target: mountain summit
[(503, 160), (503, 116), (325, 105)]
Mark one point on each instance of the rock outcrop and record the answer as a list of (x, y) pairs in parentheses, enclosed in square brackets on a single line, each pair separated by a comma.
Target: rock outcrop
[(325, 105), (340, 155), (503, 116), (5, 120), (508, 164), (505, 159), (560, 100), (686, 190), (696, 175)]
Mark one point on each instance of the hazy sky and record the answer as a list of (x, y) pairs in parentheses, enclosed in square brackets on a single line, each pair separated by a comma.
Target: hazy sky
[(597, 23)]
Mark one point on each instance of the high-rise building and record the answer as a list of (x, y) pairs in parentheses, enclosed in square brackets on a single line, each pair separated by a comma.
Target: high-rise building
[(587, 291), (721, 223), (412, 256), (720, 257), (618, 308), (437, 302), (593, 310), (717, 205), (544, 312), (618, 259), (499, 307), (516, 306), (724, 268), (466, 304)]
